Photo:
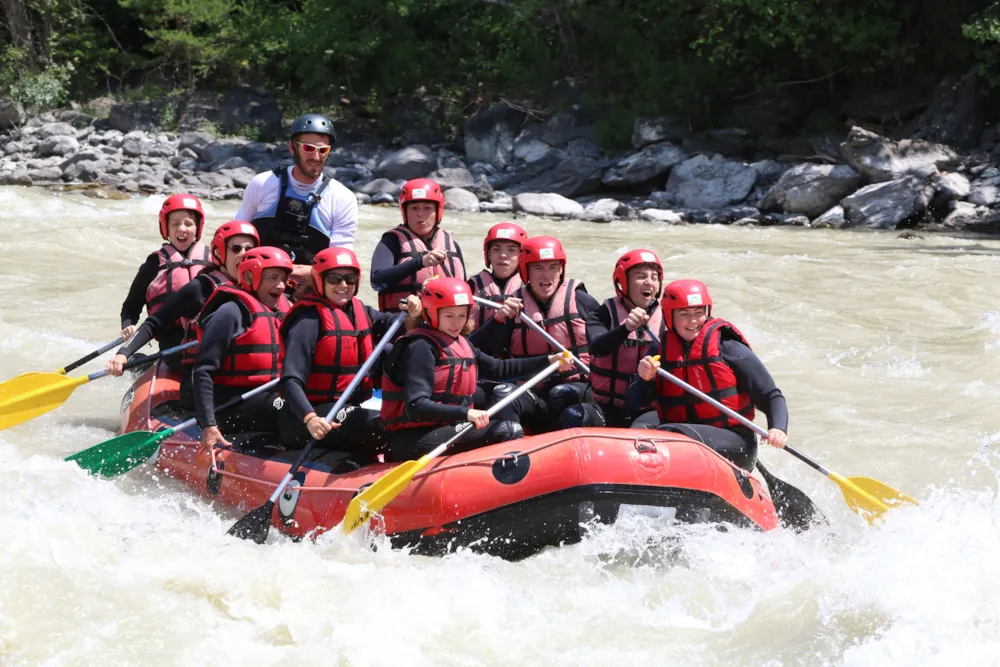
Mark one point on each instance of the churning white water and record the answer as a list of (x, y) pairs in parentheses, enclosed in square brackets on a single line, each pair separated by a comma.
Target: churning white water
[(887, 349)]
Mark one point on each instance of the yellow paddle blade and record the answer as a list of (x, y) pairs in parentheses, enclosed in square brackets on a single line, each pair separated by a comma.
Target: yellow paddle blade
[(29, 396), (869, 497), (381, 493)]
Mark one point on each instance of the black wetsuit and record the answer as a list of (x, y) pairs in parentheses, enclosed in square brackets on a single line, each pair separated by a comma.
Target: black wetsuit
[(414, 363), (738, 444), (386, 273)]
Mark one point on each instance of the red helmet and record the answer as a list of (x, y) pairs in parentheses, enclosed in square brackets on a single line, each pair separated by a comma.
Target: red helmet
[(540, 249), (182, 202), (442, 293), (258, 259), (226, 232), (421, 189), (683, 294), (329, 259), (503, 231), (630, 260)]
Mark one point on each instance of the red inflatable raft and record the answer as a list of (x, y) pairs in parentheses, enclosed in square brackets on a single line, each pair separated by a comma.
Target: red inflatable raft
[(509, 500)]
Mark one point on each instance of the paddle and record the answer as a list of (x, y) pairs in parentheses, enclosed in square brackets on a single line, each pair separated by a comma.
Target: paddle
[(381, 493), (867, 497), (538, 328), (120, 454), (33, 395), (256, 524), (69, 367)]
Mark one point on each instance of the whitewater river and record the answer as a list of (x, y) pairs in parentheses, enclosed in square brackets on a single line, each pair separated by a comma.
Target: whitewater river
[(887, 349)]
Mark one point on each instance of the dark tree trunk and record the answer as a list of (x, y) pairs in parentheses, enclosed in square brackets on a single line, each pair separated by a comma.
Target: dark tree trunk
[(18, 23)]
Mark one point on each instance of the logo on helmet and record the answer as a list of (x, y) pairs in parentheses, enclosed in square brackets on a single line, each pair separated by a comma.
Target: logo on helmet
[(419, 193), (647, 257), (248, 229), (461, 299), (343, 259), (505, 233), (546, 253), (187, 202), (694, 300)]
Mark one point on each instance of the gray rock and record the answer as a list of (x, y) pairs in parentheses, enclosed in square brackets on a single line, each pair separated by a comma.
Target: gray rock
[(228, 193), (58, 145), (490, 133), (129, 168), (461, 201), (383, 198), (349, 174), (108, 150), (256, 147), (134, 147), (811, 189), (235, 162), (410, 162), (964, 214), (950, 186), (703, 183), (834, 218), (984, 193), (583, 147), (187, 165), (12, 147), (650, 163), (955, 114), (563, 128), (602, 210), (548, 205), (730, 214), (454, 177), (879, 159), (215, 180), (654, 129), (196, 141), (886, 205), (363, 199), (559, 174), (56, 130), (218, 152), (661, 215), (11, 113), (39, 163), (529, 147), (17, 177), (249, 107), (381, 186), (187, 154), (769, 171), (162, 150), (498, 205), (45, 174), (131, 185), (240, 177), (77, 119)]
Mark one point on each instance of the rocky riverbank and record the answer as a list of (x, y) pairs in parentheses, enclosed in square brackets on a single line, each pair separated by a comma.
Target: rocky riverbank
[(514, 164)]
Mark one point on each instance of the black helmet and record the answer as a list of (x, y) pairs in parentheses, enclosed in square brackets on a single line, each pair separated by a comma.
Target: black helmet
[(315, 123)]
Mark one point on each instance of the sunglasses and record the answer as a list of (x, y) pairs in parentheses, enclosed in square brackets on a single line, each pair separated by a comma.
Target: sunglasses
[(240, 247), (312, 148), (332, 278)]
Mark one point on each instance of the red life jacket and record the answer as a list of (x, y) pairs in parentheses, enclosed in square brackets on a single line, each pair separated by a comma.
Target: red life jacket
[(702, 367), (484, 286), (218, 278), (410, 246), (610, 374), (255, 355), (563, 322), (341, 349), (455, 377), (176, 271)]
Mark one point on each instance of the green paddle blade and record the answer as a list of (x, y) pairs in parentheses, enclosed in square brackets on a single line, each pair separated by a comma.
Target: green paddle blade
[(30, 396), (381, 493), (119, 455)]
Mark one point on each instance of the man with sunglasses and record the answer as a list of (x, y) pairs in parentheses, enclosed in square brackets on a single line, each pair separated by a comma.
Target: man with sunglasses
[(299, 209), (326, 338)]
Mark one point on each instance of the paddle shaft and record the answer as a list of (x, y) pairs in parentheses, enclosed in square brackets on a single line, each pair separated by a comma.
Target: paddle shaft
[(538, 328), (140, 362), (225, 406), (513, 396), (341, 402), (93, 355)]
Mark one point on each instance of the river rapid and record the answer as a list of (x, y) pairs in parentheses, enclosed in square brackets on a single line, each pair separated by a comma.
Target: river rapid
[(887, 349)]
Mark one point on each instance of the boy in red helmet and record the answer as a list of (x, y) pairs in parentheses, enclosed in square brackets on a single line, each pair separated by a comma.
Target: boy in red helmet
[(561, 306), (500, 279), (167, 270), (621, 329), (239, 346), (326, 337), (229, 243), (416, 250), (431, 378), (713, 356)]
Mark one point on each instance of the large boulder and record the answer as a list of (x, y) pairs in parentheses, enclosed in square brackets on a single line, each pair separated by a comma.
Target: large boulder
[(55, 130), (452, 177), (58, 145), (879, 159), (548, 205), (219, 151), (246, 107), (410, 162), (195, 140), (145, 115), (710, 183), (529, 147), (955, 115), (602, 210), (558, 173), (811, 189), (834, 218), (650, 163), (461, 201), (490, 134), (381, 186), (200, 109), (654, 129), (985, 192), (11, 113), (564, 128), (886, 205)]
